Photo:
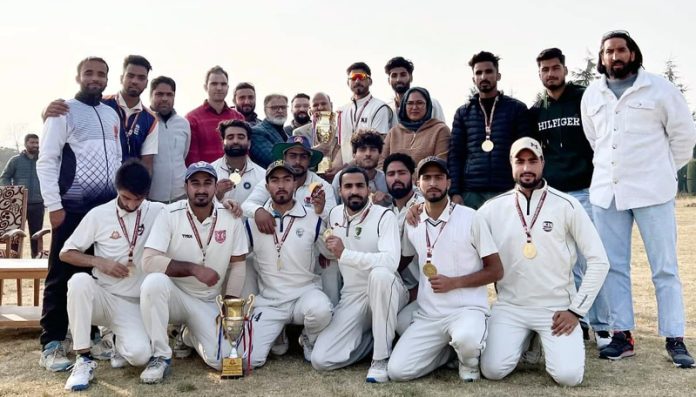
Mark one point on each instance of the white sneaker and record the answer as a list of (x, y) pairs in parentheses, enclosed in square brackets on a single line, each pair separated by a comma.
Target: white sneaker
[(603, 338), (117, 360), (378, 371), (469, 370), (281, 344), (82, 373), (53, 357), (156, 370), (307, 346), (103, 347)]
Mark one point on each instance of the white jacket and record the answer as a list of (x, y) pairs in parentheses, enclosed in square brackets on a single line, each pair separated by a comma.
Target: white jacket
[(640, 141)]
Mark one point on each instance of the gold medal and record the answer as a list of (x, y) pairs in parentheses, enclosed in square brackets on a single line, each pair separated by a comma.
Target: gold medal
[(487, 145), (529, 251), (328, 233), (236, 178), (429, 270)]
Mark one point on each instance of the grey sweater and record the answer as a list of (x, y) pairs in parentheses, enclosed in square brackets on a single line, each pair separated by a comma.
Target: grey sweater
[(21, 170)]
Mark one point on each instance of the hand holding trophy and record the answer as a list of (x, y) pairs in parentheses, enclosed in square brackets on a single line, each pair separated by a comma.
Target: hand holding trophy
[(236, 326)]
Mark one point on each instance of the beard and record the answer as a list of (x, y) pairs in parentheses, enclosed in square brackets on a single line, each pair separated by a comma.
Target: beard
[(201, 200), (276, 120), (236, 151), (92, 89), (554, 84), (620, 73), (436, 198), (399, 192), (529, 185), (246, 110), (400, 88), (356, 205), (281, 197), (301, 117)]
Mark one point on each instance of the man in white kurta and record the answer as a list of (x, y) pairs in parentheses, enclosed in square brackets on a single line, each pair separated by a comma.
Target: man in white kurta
[(365, 239), (537, 229), (289, 289), (194, 246), (110, 296), (454, 268)]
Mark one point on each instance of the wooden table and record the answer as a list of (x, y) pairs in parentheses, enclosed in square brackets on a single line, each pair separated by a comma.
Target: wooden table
[(18, 269)]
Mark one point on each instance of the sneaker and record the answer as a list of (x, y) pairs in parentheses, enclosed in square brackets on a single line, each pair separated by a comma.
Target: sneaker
[(117, 360), (621, 346), (156, 370), (103, 347), (307, 347), (585, 330), (378, 371), (603, 339), (677, 351), (281, 344), (469, 370), (82, 373), (180, 348), (53, 357), (534, 353)]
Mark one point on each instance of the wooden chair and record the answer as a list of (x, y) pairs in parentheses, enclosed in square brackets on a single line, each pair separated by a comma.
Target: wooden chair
[(13, 217)]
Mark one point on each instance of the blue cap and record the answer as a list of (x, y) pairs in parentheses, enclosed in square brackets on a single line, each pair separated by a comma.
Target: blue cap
[(200, 166)]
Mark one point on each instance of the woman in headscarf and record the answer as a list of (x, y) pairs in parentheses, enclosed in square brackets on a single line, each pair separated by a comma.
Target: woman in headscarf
[(418, 134)]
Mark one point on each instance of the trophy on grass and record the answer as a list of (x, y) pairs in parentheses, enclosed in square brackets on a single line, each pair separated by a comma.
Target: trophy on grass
[(234, 318), (324, 136)]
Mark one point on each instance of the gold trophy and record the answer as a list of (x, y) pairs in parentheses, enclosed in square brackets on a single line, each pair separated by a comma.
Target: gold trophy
[(233, 316), (325, 134)]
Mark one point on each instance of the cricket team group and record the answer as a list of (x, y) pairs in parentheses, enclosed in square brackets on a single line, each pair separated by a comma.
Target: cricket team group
[(379, 241)]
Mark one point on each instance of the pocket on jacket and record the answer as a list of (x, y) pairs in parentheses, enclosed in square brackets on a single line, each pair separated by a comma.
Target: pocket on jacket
[(641, 117)]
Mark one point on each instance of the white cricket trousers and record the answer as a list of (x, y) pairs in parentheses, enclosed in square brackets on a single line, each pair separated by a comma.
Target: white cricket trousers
[(361, 319), (90, 304), (163, 303), (508, 330), (425, 346), (312, 309)]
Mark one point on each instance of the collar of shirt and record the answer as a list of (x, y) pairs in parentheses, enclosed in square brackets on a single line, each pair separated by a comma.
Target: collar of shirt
[(415, 199), (297, 210), (361, 101), (350, 218), (444, 216), (122, 103), (207, 220), (123, 213), (209, 108), (642, 80)]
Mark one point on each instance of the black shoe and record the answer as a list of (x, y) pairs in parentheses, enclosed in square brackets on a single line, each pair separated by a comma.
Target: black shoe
[(677, 351), (585, 331), (621, 346)]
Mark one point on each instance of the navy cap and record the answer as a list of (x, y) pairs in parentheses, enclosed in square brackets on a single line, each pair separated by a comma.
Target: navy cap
[(200, 166)]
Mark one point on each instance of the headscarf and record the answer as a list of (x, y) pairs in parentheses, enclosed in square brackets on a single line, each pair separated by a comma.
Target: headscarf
[(403, 118)]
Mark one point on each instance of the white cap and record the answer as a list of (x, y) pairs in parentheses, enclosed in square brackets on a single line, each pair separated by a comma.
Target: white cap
[(526, 143)]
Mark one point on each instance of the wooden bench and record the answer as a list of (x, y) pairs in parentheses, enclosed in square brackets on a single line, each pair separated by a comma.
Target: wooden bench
[(22, 316)]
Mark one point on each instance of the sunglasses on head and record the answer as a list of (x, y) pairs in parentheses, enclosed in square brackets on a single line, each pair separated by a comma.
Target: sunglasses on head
[(614, 33), (358, 76)]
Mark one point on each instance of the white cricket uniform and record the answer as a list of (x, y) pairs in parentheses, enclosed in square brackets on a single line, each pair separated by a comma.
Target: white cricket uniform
[(456, 318), (372, 292), (100, 299), (253, 174), (409, 275), (330, 276), (532, 290), (367, 112), (186, 300), (289, 289)]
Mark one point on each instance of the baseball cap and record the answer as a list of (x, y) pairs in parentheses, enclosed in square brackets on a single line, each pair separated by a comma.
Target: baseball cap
[(200, 166), (432, 160), (526, 143), (279, 149), (276, 165)]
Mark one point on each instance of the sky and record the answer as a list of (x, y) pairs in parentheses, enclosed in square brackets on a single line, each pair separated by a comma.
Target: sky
[(306, 45)]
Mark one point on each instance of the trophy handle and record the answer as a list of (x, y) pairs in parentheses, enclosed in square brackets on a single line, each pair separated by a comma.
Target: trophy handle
[(250, 304), (220, 303)]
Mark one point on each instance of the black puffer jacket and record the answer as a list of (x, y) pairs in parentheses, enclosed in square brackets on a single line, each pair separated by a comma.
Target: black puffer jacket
[(472, 169)]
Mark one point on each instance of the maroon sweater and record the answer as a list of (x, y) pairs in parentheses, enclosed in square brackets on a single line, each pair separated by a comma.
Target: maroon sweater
[(206, 143)]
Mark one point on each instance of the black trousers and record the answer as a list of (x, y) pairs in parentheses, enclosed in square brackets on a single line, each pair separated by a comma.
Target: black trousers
[(54, 314), (35, 220)]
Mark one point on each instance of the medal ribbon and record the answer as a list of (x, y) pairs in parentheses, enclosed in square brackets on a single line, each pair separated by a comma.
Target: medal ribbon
[(356, 120), (488, 120), (429, 247), (131, 241), (198, 236), (279, 244), (346, 222), (528, 229)]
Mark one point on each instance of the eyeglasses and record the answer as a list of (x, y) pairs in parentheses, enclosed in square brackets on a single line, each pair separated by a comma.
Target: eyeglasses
[(415, 104), (277, 108), (358, 76), (614, 33)]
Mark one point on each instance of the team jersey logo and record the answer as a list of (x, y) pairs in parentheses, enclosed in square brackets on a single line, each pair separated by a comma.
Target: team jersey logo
[(247, 185), (115, 235), (358, 230), (299, 232), (141, 229), (547, 226), (220, 236)]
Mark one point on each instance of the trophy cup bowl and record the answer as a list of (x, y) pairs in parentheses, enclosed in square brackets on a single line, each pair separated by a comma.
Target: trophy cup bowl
[(324, 134), (233, 317)]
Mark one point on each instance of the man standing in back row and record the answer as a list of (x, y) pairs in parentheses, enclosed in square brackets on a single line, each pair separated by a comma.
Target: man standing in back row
[(641, 130)]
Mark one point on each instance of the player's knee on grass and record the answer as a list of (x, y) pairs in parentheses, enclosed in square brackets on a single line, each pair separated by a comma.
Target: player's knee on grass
[(493, 369), (399, 372), (567, 374), (467, 343), (136, 353)]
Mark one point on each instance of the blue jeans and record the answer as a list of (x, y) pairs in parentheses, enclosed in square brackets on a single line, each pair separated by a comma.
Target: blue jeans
[(599, 315), (658, 228)]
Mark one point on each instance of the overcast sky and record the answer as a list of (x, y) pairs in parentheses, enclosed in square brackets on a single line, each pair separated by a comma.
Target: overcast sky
[(306, 45)]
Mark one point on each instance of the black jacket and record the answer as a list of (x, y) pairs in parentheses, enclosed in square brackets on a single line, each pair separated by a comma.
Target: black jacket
[(557, 125), (472, 169)]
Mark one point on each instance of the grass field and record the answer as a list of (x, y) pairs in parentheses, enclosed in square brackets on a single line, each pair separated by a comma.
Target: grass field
[(649, 373)]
